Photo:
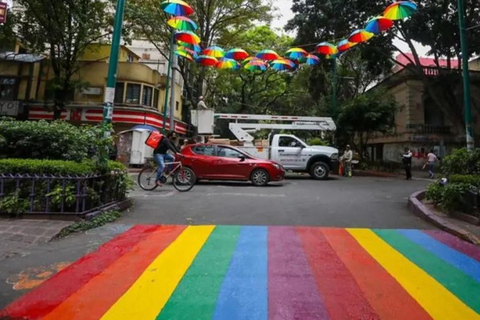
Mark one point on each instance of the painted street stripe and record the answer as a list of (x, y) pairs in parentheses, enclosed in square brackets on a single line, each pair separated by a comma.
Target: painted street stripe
[(460, 284), (292, 292), (462, 262), (387, 297), (343, 298), (243, 295), (461, 246), (39, 302), (94, 299), (197, 293), (436, 300), (153, 288)]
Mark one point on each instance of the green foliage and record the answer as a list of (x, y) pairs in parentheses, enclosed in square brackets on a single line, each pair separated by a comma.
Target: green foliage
[(451, 196), (96, 222), (317, 142), (51, 140), (13, 204), (37, 166), (462, 162)]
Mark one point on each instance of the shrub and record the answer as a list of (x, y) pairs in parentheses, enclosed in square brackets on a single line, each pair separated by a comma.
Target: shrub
[(462, 162), (317, 142), (58, 140)]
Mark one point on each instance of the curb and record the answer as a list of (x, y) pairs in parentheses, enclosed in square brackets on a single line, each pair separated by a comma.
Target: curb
[(419, 209), (379, 174)]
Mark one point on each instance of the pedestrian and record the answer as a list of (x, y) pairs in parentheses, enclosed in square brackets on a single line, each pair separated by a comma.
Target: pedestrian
[(407, 163), (431, 161), (201, 104), (346, 160)]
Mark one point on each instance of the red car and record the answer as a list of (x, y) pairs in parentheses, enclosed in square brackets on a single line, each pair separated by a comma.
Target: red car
[(221, 162)]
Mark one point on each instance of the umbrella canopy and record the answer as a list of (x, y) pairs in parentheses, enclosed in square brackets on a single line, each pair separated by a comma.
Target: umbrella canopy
[(207, 60), (193, 47), (282, 64), (312, 60), (189, 51), (187, 36), (182, 23), (378, 24), (145, 127), (226, 63), (359, 36), (256, 65), (267, 55), (214, 51), (344, 45), (236, 54), (297, 53), (400, 10), (248, 59), (177, 8), (326, 48), (184, 54)]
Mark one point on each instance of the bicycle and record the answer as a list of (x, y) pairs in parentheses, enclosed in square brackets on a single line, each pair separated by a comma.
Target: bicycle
[(183, 178)]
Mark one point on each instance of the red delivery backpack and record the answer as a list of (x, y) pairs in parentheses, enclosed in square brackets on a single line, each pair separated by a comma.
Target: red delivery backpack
[(154, 139)]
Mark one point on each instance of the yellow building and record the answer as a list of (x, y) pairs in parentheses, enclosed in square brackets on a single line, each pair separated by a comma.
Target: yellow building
[(139, 94)]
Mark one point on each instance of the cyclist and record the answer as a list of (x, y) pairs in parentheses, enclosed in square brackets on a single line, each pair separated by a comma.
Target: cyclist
[(161, 156)]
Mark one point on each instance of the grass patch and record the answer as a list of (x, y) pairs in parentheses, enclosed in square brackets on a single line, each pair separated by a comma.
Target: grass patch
[(96, 222)]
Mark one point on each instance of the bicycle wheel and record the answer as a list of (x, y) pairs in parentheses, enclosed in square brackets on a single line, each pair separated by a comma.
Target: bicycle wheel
[(184, 179), (147, 179)]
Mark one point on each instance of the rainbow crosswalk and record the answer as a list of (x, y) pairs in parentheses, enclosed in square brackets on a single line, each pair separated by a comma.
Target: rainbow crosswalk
[(255, 272)]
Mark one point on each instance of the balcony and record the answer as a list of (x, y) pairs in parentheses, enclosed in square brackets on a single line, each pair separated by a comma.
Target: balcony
[(428, 129)]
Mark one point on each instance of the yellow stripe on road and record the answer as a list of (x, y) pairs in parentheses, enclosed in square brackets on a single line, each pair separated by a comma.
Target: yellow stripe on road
[(431, 295), (148, 295)]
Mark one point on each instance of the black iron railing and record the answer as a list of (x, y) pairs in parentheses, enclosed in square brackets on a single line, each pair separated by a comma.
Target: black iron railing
[(428, 129)]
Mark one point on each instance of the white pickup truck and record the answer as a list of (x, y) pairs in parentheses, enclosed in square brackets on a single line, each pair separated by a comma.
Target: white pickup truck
[(295, 155)]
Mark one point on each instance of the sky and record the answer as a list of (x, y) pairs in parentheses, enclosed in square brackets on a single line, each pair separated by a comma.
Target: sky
[(285, 13)]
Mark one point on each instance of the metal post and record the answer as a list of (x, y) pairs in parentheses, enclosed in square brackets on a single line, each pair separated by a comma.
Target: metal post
[(466, 77), (334, 89), (172, 42), (112, 71), (172, 93)]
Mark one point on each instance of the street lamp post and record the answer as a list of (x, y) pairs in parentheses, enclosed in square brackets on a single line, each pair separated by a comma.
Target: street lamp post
[(112, 71), (466, 77), (334, 89)]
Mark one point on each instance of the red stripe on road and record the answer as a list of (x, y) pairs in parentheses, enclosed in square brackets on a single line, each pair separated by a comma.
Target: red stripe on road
[(41, 301), (464, 247), (96, 297), (387, 297), (343, 297)]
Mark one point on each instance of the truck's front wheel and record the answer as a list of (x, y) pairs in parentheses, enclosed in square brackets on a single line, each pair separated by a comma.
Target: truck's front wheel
[(319, 171)]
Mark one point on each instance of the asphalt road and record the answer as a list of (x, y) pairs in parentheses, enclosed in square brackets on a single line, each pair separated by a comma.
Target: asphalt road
[(340, 202)]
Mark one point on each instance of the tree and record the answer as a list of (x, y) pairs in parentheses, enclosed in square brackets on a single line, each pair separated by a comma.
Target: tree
[(62, 30), (7, 33), (365, 115)]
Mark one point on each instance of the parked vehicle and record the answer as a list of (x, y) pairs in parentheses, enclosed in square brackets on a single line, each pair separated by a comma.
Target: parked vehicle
[(223, 162)]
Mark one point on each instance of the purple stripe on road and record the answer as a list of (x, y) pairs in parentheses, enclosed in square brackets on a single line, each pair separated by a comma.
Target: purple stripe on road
[(453, 242), (292, 290)]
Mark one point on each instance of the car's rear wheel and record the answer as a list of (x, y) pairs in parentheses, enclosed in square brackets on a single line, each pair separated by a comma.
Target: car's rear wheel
[(260, 177), (319, 171)]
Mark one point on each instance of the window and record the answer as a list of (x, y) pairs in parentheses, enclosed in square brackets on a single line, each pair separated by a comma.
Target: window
[(206, 150), (289, 142), (119, 92), (147, 96), (133, 93), (229, 153), (155, 99), (177, 105), (7, 89)]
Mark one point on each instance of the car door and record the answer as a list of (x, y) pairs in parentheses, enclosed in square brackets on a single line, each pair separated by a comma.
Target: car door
[(203, 160), (232, 164), (290, 152)]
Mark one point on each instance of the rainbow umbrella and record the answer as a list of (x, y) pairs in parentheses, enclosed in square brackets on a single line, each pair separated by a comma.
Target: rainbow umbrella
[(312, 60), (176, 8), (326, 48), (297, 53), (184, 54), (282, 64), (400, 10), (248, 59), (189, 51), (359, 36), (182, 23), (378, 24), (193, 47), (207, 60), (187, 36), (267, 55), (214, 51), (226, 63), (256, 65), (236, 54), (344, 45)]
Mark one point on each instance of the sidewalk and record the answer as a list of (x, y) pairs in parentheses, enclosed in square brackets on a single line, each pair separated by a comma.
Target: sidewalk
[(17, 235)]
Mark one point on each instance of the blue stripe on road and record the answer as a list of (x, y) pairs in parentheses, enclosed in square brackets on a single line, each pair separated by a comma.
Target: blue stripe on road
[(243, 294), (459, 260)]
